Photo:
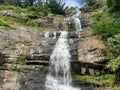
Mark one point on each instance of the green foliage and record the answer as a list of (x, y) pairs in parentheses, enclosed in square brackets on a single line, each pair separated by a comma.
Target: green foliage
[(12, 2), (106, 79), (106, 26), (25, 16), (38, 10), (114, 64), (113, 5), (113, 44), (3, 23), (114, 47), (57, 6), (21, 3)]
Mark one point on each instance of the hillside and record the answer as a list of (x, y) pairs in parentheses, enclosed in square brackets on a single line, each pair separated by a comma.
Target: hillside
[(105, 22), (28, 36)]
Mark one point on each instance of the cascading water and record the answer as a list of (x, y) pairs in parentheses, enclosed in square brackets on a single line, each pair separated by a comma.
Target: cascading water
[(77, 20), (77, 24), (59, 77)]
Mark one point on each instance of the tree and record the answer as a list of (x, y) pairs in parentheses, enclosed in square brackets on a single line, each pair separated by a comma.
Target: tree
[(113, 5), (56, 6)]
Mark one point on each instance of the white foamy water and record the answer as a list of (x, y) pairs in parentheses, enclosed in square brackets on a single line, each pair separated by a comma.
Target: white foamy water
[(59, 77), (46, 34), (77, 24), (76, 19)]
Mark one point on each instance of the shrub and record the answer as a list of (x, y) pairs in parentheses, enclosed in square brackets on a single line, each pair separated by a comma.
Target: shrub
[(107, 28), (114, 47), (113, 5), (113, 44)]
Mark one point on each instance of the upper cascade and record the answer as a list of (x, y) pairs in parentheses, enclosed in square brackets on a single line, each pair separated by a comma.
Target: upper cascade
[(75, 19)]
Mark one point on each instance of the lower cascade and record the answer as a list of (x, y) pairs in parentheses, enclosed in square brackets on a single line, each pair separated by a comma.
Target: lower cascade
[(59, 77)]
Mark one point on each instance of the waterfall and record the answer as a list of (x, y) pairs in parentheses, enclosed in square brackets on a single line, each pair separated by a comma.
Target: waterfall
[(76, 19), (77, 24), (59, 77)]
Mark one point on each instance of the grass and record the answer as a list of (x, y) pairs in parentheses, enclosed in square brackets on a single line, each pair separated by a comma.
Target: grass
[(3, 23), (102, 79), (22, 20), (6, 7)]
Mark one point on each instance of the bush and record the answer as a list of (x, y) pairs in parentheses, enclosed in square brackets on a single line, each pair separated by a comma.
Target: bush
[(113, 44), (107, 27), (114, 47), (114, 5), (114, 64)]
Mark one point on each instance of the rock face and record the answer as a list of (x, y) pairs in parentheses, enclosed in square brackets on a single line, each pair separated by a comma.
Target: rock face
[(90, 54), (17, 41), (90, 49), (30, 80), (38, 46), (44, 56), (25, 43), (9, 80)]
